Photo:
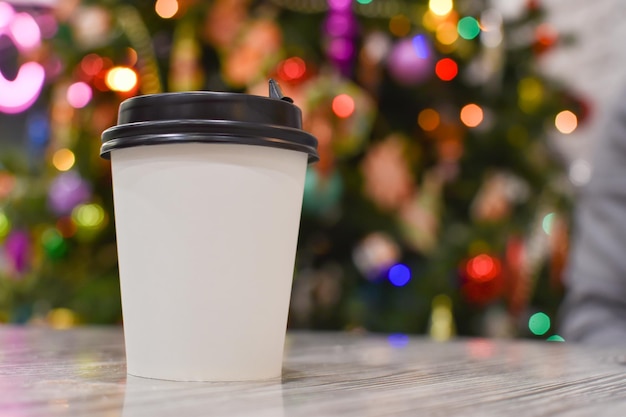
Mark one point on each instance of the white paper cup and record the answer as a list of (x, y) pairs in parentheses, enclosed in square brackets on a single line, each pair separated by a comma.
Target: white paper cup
[(206, 236)]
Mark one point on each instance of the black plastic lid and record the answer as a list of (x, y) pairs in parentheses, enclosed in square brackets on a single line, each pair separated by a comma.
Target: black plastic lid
[(210, 117)]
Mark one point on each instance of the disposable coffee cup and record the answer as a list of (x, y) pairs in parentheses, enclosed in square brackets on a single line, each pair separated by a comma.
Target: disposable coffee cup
[(207, 191)]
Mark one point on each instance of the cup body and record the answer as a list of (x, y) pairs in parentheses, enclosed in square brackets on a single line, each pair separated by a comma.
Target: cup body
[(206, 236)]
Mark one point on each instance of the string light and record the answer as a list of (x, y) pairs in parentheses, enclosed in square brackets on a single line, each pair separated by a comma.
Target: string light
[(63, 159), (446, 69), (566, 122), (471, 115), (343, 106), (90, 216), (539, 323)]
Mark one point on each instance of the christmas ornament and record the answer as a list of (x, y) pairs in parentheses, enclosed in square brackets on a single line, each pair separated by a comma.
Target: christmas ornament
[(321, 193), (496, 196), (67, 191), (546, 37), (481, 279), (16, 250), (410, 61), (420, 216), (223, 22), (376, 253), (340, 29), (253, 54), (91, 26), (441, 327), (22, 31), (388, 179), (339, 113), (186, 73)]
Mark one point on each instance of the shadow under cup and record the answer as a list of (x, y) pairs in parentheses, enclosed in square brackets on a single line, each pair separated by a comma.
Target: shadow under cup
[(207, 191)]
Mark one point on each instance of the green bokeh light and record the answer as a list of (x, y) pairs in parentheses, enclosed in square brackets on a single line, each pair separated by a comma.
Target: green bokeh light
[(539, 323), (468, 27), (5, 225), (547, 223), (555, 338), (364, 1), (53, 243)]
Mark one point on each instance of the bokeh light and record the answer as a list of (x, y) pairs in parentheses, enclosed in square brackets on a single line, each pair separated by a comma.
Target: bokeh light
[(66, 227), (5, 225), (292, 68), (89, 216), (547, 222), (446, 69), (483, 268), (440, 7), (555, 338), (420, 44), (539, 323), (24, 88), (580, 172), (446, 33), (400, 25), (61, 318), (91, 64), (398, 340), (25, 30), (53, 243), (471, 115), (530, 94), (399, 275), (343, 106), (166, 8), (468, 27), (121, 79), (63, 159), (364, 1), (79, 95), (566, 122), (428, 119)]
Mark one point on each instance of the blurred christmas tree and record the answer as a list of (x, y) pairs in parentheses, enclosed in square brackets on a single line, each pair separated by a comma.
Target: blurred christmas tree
[(437, 206)]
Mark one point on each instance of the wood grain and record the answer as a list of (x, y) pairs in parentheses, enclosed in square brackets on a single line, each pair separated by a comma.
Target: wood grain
[(81, 372)]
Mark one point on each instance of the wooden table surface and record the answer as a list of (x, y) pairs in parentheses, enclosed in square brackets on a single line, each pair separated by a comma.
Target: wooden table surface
[(81, 372)]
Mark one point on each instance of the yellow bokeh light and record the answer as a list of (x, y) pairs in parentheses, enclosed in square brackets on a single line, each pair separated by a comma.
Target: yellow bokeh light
[(5, 225), (471, 115), (63, 159), (400, 25), (566, 122), (62, 318), (440, 7), (530, 93), (88, 215), (166, 8), (121, 79), (447, 33), (428, 119)]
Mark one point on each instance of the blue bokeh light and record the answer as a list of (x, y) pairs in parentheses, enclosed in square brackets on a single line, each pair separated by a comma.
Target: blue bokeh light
[(399, 275), (421, 46), (398, 340)]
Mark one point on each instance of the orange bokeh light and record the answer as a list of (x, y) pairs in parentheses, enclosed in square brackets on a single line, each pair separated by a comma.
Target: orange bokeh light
[(472, 115), (343, 106)]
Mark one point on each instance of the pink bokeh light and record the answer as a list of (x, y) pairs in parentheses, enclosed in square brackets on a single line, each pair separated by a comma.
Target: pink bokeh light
[(24, 89), (25, 31), (79, 95), (6, 14)]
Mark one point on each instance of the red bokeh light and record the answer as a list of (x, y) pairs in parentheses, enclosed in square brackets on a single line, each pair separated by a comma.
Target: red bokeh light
[(292, 69), (343, 106), (483, 268), (446, 69)]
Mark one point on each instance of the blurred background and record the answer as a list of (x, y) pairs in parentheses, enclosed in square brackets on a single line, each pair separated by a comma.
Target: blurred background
[(453, 136)]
